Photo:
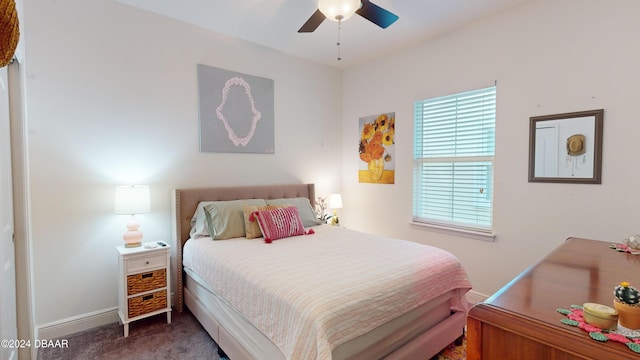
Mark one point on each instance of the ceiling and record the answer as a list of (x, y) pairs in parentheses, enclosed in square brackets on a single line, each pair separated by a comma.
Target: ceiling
[(274, 24)]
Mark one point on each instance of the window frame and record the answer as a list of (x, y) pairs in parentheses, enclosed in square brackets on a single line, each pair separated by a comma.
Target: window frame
[(453, 225)]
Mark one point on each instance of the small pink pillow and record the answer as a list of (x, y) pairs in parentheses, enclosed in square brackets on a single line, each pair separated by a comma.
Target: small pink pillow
[(279, 223)]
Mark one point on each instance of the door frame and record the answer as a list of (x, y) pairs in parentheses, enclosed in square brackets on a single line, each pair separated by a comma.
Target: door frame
[(21, 210)]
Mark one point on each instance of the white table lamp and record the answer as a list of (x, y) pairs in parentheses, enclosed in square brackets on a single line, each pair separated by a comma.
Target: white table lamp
[(335, 202), (131, 200)]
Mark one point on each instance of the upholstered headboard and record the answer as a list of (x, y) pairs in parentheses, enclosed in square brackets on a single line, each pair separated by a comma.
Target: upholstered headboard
[(185, 201)]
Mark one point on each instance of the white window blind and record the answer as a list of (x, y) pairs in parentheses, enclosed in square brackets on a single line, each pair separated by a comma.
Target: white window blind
[(453, 162)]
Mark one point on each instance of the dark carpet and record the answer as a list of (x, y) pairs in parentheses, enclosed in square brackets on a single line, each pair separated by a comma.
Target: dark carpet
[(153, 338), (149, 339)]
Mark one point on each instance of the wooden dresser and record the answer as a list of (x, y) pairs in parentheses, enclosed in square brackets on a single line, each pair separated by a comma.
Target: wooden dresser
[(520, 321)]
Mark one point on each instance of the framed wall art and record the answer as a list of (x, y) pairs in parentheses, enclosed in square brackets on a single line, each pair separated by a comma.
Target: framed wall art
[(376, 149), (236, 112), (566, 148)]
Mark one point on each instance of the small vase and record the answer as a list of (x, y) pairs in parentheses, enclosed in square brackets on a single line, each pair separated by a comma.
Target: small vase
[(629, 315), (376, 167)]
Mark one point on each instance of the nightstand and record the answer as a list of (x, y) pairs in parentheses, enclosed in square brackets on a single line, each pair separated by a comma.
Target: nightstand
[(143, 283)]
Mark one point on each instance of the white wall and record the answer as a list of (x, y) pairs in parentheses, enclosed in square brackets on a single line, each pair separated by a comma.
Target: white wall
[(112, 99), (547, 57)]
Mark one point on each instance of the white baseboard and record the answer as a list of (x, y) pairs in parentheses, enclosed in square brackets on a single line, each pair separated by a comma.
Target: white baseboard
[(475, 297), (68, 326), (74, 324)]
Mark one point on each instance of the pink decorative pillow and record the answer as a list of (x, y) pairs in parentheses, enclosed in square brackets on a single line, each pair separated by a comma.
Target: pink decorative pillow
[(251, 226), (279, 223)]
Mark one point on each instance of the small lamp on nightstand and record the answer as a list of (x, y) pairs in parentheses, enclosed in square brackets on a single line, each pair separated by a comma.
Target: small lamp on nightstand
[(335, 202), (131, 200)]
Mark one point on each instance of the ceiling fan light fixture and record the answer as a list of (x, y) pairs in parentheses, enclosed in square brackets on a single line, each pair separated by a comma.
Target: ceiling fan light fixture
[(338, 10)]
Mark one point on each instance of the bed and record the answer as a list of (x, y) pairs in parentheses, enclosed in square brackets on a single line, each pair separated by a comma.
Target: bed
[(326, 293)]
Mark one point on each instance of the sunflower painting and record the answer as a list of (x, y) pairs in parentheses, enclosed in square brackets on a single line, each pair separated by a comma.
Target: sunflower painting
[(376, 149)]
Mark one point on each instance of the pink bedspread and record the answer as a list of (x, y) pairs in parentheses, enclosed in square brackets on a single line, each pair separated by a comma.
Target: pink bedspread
[(311, 293)]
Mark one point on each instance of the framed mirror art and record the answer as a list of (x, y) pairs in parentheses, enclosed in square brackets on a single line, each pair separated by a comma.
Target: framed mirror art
[(566, 148)]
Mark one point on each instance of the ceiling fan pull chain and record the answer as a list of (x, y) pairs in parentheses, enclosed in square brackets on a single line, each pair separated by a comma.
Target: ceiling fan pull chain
[(339, 32)]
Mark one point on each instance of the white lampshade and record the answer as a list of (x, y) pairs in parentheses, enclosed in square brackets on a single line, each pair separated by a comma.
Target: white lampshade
[(338, 9), (335, 201), (132, 199)]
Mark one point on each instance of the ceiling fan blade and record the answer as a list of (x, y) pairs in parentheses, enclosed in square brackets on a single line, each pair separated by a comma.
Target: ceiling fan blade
[(376, 14), (312, 24)]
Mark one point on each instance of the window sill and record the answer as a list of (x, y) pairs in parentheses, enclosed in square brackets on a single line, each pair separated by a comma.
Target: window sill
[(456, 231)]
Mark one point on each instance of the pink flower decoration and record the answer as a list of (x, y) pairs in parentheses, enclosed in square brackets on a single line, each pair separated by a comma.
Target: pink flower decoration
[(618, 337), (576, 317), (589, 328)]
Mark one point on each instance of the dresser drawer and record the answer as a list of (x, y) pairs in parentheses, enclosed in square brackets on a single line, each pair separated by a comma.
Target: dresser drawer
[(143, 304), (146, 281), (146, 263)]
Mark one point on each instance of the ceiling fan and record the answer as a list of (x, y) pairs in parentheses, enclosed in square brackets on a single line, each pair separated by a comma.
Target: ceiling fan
[(340, 10)]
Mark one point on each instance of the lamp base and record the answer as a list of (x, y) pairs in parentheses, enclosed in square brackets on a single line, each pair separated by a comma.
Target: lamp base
[(334, 220), (133, 237)]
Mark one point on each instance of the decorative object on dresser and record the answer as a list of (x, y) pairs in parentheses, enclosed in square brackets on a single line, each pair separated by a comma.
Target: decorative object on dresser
[(143, 283), (600, 322), (627, 302), (131, 200), (522, 320), (602, 316), (335, 203), (630, 245)]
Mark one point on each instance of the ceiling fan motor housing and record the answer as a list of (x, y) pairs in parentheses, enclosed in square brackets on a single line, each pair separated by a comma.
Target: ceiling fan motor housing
[(338, 10)]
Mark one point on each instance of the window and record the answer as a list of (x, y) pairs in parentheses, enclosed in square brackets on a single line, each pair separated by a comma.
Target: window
[(454, 146)]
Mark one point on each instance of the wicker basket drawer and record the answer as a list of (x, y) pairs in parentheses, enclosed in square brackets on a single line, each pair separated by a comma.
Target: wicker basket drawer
[(147, 281), (143, 304)]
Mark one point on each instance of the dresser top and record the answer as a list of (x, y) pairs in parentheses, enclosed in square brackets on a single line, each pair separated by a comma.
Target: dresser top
[(521, 318), (577, 272)]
